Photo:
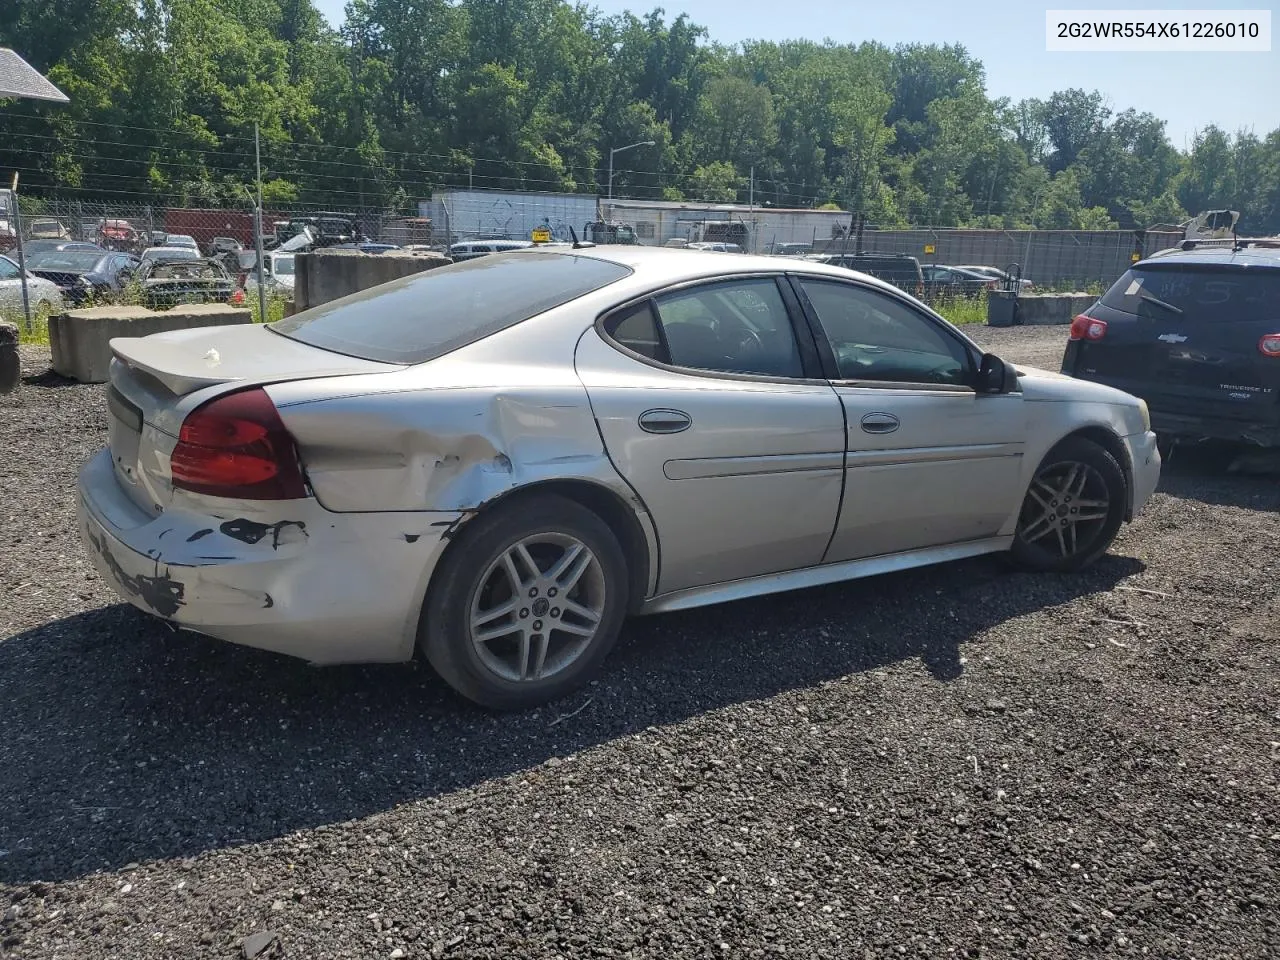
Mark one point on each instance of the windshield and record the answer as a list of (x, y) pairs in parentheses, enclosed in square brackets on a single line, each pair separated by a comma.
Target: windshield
[(1198, 293), (63, 260), (283, 265), (429, 314)]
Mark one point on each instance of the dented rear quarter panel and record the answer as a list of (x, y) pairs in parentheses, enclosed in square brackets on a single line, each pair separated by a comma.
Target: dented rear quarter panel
[(456, 432)]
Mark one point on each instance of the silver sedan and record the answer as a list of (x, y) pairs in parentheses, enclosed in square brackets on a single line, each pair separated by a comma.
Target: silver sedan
[(494, 463)]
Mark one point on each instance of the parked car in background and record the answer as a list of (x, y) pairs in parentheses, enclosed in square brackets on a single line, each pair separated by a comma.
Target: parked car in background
[(470, 249), (83, 275), (995, 273), (1196, 334), (168, 282), (790, 249), (42, 295), (219, 245), (120, 235), (945, 281), (898, 269), (47, 228), (171, 253), (183, 240), (277, 274), (496, 462)]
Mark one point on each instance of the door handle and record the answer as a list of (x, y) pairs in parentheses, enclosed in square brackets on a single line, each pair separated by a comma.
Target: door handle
[(665, 421), (880, 423)]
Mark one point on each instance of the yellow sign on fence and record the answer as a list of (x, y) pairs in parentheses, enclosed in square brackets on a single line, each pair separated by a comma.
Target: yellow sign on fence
[(928, 248), (1135, 257), (540, 235)]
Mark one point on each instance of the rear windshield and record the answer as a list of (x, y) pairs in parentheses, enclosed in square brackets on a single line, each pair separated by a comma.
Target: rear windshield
[(64, 260), (429, 314), (1231, 294)]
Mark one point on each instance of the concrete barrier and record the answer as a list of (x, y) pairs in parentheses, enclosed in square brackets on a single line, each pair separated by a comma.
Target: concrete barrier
[(10, 367), (1043, 309), (80, 339), (324, 275)]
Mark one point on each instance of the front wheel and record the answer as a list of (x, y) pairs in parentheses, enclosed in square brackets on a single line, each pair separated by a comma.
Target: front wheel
[(1073, 508), (528, 603)]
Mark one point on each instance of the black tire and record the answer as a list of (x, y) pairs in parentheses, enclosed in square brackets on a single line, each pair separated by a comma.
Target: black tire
[(1044, 543), (468, 568)]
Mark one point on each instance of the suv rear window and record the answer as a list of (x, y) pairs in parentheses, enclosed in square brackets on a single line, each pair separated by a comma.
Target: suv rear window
[(1198, 293), (427, 315)]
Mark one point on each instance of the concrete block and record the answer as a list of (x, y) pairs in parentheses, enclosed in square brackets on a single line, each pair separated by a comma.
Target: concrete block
[(10, 367), (1043, 309), (80, 339), (324, 275)]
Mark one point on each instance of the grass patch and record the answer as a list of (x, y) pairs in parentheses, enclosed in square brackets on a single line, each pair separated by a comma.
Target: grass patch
[(962, 310), (38, 333)]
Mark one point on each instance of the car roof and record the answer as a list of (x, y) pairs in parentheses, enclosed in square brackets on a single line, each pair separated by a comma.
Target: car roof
[(1217, 256), (677, 264)]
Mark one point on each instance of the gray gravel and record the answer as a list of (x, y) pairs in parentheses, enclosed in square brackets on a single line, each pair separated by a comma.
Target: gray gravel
[(961, 761)]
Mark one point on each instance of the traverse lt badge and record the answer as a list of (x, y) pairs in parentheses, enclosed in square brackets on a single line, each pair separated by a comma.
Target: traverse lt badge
[(1172, 338)]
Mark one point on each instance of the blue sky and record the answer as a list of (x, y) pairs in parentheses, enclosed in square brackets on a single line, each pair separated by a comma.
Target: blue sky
[(1188, 90)]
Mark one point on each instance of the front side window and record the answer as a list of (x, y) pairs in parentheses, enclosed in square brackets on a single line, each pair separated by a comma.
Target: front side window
[(735, 326), (876, 337), (8, 270)]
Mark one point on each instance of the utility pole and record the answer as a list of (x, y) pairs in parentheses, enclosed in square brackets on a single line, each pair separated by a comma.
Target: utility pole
[(642, 143), (262, 287)]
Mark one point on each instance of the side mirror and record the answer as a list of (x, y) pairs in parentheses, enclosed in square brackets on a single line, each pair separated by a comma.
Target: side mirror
[(996, 376)]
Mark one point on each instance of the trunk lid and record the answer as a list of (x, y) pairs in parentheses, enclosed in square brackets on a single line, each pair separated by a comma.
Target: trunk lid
[(157, 380), (1184, 337)]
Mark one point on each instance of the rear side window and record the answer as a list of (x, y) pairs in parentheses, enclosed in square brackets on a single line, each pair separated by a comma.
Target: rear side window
[(1199, 295), (429, 314)]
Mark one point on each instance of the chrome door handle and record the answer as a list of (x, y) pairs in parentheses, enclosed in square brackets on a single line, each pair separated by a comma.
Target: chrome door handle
[(880, 423), (665, 421)]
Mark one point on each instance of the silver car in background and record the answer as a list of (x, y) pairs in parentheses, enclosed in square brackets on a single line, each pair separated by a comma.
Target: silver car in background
[(495, 462)]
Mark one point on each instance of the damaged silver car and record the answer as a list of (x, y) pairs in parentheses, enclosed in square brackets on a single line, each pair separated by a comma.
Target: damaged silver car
[(494, 463)]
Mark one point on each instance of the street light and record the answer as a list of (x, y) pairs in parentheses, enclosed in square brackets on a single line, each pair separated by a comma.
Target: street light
[(631, 146)]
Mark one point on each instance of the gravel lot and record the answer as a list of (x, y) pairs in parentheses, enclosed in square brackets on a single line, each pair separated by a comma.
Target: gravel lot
[(961, 761)]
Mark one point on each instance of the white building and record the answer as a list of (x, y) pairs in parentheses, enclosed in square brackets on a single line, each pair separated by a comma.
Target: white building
[(657, 221)]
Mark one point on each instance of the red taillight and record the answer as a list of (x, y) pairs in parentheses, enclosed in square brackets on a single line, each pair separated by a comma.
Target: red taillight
[(237, 297), (1269, 346), (236, 446), (1086, 328)]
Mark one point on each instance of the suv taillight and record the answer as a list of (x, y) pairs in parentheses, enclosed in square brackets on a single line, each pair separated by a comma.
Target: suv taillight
[(236, 446), (1269, 346), (1086, 328)]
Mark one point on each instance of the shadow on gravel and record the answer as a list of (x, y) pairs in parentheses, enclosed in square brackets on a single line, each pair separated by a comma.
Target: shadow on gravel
[(121, 740), (1223, 475)]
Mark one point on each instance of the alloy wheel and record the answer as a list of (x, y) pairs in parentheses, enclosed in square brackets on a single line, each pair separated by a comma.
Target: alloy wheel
[(538, 607), (1066, 508)]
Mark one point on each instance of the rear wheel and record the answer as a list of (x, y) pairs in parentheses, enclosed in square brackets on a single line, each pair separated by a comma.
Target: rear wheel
[(529, 602), (1073, 508)]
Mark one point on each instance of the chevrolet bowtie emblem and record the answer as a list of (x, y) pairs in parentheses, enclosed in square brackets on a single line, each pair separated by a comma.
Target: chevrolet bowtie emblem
[(1172, 338)]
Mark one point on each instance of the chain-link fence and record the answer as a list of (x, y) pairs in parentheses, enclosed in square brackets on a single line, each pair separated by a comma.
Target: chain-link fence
[(1052, 259)]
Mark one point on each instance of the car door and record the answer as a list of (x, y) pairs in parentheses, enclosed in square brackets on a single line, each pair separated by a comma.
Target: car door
[(712, 406), (930, 460), (10, 284)]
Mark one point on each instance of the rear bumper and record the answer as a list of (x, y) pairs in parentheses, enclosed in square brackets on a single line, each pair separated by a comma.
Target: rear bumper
[(325, 587), (1182, 426)]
